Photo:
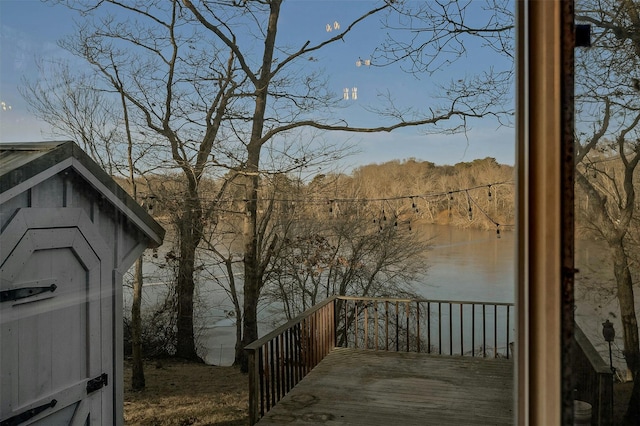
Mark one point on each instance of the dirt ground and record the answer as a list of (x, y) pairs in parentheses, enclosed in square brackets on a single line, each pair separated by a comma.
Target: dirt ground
[(182, 393)]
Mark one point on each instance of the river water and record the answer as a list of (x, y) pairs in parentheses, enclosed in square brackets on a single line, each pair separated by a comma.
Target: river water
[(469, 265), (464, 265)]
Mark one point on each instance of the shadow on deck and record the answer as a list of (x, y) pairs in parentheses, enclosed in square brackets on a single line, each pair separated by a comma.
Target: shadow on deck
[(355, 386)]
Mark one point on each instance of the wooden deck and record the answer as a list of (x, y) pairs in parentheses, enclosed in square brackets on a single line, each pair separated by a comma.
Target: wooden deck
[(358, 387)]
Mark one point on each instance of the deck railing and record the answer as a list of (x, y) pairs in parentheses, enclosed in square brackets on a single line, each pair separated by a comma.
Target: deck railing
[(594, 379), (279, 360), (443, 327)]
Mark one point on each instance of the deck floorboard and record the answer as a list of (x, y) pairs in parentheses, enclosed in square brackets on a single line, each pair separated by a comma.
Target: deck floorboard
[(358, 387)]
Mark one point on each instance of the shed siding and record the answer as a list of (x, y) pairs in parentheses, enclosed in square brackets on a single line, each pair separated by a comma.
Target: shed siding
[(49, 193), (8, 209), (81, 196)]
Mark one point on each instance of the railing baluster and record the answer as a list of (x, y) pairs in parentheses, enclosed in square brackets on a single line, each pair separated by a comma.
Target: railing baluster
[(429, 327), (334, 324), (314, 340), (309, 341), (495, 331), (346, 322), (473, 329), (484, 331), (386, 324), (320, 337), (355, 307), (376, 324), (397, 327), (450, 328), (323, 334), (365, 321), (276, 366), (407, 308), (461, 330), (325, 331), (507, 332), (294, 352), (272, 381), (418, 326), (286, 362), (279, 348), (292, 356), (307, 346), (439, 328), (263, 384)]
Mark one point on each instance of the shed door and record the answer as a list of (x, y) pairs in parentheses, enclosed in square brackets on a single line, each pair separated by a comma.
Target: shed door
[(51, 329)]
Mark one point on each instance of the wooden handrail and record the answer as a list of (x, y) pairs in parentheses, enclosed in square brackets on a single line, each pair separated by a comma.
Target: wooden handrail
[(279, 360), (404, 300), (261, 341)]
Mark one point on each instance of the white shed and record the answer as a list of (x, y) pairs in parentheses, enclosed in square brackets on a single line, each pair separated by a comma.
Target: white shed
[(68, 233)]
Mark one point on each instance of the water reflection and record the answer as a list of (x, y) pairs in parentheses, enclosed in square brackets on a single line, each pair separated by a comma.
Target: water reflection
[(469, 264)]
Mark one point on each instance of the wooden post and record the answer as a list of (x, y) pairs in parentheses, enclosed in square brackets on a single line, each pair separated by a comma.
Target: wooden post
[(254, 387)]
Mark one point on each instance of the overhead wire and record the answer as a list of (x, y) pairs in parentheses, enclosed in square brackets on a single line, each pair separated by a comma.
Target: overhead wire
[(333, 202)]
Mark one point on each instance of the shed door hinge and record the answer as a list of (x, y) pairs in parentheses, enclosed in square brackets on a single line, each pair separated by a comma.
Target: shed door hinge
[(21, 293), (23, 417), (97, 383)]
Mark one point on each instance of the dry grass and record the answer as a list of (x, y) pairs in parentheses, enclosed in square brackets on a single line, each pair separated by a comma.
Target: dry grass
[(181, 393)]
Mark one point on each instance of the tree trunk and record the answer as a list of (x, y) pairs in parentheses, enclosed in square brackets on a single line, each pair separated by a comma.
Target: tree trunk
[(252, 266), (189, 229), (252, 278), (239, 348), (137, 370)]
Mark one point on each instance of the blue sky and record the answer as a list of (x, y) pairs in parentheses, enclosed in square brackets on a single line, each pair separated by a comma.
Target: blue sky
[(29, 30)]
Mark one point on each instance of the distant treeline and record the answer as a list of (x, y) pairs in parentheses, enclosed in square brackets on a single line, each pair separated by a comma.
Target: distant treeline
[(478, 194)]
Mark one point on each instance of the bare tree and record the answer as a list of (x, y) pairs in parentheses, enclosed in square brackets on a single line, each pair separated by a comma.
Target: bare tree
[(345, 252), (445, 31), (267, 122), (74, 108), (211, 79), (608, 151)]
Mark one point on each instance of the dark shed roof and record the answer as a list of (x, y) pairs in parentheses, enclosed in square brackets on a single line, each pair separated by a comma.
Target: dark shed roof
[(22, 162)]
